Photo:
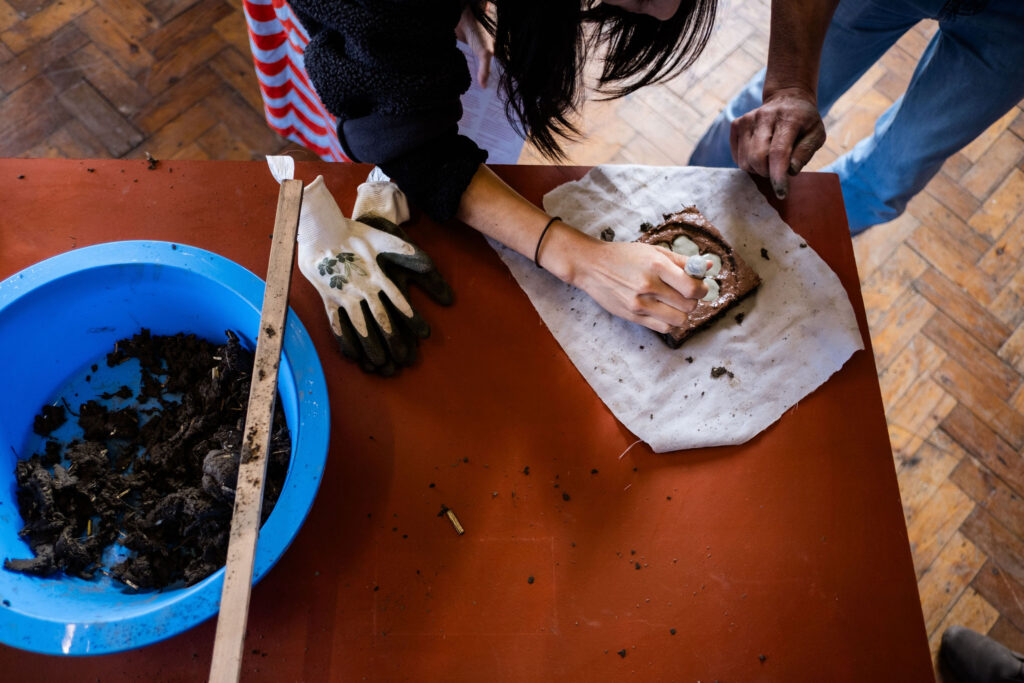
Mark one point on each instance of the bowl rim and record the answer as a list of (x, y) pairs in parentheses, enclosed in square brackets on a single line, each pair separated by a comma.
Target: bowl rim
[(192, 605)]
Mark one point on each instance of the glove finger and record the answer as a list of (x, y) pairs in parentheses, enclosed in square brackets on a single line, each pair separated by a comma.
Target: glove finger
[(434, 285), (431, 282), (411, 330), (347, 337), (387, 370), (415, 326), (401, 346), (417, 262), (373, 343)]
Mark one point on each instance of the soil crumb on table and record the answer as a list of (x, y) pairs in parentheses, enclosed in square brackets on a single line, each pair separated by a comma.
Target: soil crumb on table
[(156, 476)]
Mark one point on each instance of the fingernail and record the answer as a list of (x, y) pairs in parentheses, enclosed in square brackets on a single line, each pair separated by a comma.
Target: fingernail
[(794, 167), (780, 191)]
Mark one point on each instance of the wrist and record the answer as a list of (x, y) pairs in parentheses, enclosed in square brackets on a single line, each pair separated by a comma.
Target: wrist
[(774, 91), (561, 250)]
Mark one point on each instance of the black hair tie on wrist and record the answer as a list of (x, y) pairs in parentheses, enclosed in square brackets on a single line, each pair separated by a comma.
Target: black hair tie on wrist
[(536, 252)]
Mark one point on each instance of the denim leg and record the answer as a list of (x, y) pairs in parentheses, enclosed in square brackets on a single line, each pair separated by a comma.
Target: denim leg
[(713, 148), (860, 32), (971, 73)]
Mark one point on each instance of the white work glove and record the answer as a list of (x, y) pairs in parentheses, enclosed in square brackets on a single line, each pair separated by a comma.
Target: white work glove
[(361, 268)]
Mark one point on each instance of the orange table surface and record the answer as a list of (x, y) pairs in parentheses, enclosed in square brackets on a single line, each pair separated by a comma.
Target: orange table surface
[(783, 559)]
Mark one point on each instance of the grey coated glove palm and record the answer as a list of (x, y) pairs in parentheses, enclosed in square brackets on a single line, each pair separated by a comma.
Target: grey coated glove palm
[(362, 268)]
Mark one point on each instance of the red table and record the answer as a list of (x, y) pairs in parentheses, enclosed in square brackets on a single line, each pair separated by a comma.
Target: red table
[(784, 559)]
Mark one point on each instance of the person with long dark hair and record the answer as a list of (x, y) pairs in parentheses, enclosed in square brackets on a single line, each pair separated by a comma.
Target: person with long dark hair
[(392, 75)]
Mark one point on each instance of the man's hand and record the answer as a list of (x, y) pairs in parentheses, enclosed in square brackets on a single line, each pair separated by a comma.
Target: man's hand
[(778, 138)]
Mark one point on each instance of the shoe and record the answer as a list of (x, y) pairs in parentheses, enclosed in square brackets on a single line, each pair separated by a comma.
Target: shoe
[(975, 658)]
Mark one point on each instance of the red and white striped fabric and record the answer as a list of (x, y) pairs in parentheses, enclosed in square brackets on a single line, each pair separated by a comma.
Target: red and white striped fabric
[(290, 103)]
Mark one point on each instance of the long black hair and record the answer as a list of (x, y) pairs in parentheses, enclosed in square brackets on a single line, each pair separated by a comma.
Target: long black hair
[(542, 46)]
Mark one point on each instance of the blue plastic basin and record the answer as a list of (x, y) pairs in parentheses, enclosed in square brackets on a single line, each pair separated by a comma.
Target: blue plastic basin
[(57, 319)]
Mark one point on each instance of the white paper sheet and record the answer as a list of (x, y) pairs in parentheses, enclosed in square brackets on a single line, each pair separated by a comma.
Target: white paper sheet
[(483, 116), (799, 328)]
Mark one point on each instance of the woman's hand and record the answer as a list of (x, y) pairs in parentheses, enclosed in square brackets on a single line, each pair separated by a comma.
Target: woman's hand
[(637, 282), (472, 32)]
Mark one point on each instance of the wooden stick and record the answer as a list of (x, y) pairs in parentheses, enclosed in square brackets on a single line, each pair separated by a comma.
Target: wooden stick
[(252, 468)]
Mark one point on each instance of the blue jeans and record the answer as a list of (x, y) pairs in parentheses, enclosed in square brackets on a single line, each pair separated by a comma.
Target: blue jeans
[(971, 73)]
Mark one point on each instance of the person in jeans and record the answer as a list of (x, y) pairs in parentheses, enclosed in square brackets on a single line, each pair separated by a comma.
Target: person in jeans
[(971, 73)]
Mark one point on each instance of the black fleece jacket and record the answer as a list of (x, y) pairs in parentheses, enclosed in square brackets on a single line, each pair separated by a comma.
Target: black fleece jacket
[(391, 72)]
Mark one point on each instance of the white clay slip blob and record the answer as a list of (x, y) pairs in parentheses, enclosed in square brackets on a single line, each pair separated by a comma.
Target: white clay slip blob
[(685, 246), (716, 264), (712, 286)]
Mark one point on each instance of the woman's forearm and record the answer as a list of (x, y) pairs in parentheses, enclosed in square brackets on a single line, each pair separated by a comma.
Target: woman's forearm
[(637, 282), (498, 211)]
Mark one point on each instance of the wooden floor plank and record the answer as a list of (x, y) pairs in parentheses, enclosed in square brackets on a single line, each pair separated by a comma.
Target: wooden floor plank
[(1008, 305), (166, 10), (195, 22), (981, 145), (1001, 207), (960, 345), (232, 30), (8, 16), (991, 169), (945, 222), (873, 247), (27, 117), (246, 125), (117, 87), (921, 475), (918, 358), (74, 141), (40, 26), (1002, 591), (943, 294), (947, 578), (34, 60), (1003, 259), (136, 21), (891, 281), (996, 541), (100, 118), (188, 57), (992, 494), (953, 196), (925, 406), (238, 71), (970, 611), (1012, 350), (105, 31), (938, 522), (897, 326), (177, 134), (1008, 635), (972, 392), (967, 429)]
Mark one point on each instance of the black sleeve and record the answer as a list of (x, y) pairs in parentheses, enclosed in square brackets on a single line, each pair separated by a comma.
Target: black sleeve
[(391, 72)]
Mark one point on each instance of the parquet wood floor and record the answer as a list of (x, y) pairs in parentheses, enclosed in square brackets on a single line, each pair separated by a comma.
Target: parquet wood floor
[(943, 284)]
